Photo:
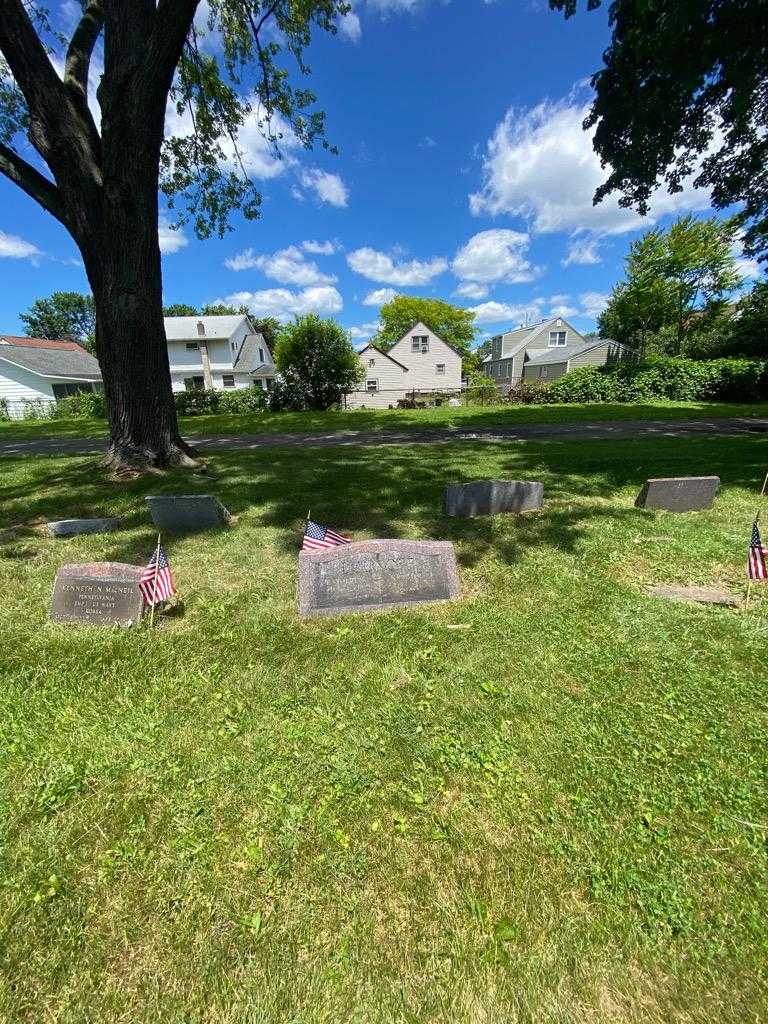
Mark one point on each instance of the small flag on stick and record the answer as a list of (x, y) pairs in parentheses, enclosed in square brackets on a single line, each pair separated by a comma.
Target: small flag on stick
[(318, 538), (156, 583), (756, 564)]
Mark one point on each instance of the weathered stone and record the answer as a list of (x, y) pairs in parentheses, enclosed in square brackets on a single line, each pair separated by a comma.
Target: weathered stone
[(491, 497), (98, 593), (700, 595), (186, 513), (679, 493), (76, 527), (374, 574)]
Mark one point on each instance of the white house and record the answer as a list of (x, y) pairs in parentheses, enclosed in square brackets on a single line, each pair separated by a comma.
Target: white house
[(418, 365), (36, 373), (217, 353)]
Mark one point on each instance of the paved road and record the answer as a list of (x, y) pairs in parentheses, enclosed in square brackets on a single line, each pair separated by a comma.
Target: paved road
[(731, 427)]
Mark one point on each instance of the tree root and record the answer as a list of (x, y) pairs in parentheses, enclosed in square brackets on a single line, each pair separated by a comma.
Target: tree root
[(125, 461)]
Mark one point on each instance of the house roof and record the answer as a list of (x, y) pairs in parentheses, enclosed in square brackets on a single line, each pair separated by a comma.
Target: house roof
[(420, 323), (66, 359), (564, 353), (184, 328), (248, 357), (61, 343), (386, 355)]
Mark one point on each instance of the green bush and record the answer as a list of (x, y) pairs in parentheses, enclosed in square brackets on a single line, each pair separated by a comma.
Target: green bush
[(86, 405), (197, 402), (243, 401), (4, 414), (528, 392)]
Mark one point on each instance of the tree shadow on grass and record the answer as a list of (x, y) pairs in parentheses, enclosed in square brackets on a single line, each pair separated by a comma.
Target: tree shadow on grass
[(388, 491)]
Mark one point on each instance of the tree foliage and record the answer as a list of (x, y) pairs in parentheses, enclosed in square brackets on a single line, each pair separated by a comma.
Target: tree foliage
[(683, 92), (676, 288), (747, 332), (62, 315), (455, 325), (179, 309), (316, 362)]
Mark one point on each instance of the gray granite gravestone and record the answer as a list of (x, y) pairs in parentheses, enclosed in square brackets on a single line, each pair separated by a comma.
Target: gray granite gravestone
[(98, 593), (490, 497), (373, 574), (678, 493), (76, 527), (186, 513)]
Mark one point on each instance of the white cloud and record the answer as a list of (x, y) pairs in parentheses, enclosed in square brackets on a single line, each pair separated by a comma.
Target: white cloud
[(494, 256), (350, 27), (498, 312), (170, 240), (379, 296), (563, 310), (364, 331), (288, 266), (284, 303), (329, 188), (583, 251), (471, 290), (593, 303), (540, 165), (748, 267), (320, 248), (379, 267), (427, 142), (15, 248)]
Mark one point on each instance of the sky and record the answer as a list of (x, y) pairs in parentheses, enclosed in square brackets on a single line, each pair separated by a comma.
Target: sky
[(464, 174)]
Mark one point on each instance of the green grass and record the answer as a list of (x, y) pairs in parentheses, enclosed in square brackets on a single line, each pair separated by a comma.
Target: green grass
[(557, 814), (400, 419)]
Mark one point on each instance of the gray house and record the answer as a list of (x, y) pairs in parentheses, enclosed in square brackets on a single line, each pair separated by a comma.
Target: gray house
[(545, 351)]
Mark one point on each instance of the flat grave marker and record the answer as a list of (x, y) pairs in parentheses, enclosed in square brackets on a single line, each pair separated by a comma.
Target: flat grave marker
[(78, 527), (679, 493), (186, 513), (371, 575), (98, 594), (697, 595), (492, 497)]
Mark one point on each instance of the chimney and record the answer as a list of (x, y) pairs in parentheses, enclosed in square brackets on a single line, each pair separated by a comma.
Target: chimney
[(201, 328), (203, 346)]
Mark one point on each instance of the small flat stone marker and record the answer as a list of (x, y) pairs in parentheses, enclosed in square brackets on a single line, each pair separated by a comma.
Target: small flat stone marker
[(491, 497), (679, 493), (373, 574), (76, 527), (98, 594), (699, 595), (186, 513)]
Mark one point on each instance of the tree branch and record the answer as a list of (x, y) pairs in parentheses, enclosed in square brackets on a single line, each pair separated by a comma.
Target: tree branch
[(173, 21), (81, 46), (31, 181), (26, 56)]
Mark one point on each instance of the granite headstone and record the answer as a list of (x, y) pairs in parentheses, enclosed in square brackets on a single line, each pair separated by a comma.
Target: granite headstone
[(374, 574), (76, 527), (491, 497), (679, 493), (186, 513), (98, 593)]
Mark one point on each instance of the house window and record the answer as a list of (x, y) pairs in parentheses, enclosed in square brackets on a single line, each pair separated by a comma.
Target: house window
[(261, 355), (191, 346), (228, 380), (544, 372), (65, 390), (556, 338), (194, 383), (371, 362), (371, 386), (420, 343), (440, 368)]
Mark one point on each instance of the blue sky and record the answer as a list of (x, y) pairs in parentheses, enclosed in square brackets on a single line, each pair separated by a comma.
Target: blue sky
[(464, 174)]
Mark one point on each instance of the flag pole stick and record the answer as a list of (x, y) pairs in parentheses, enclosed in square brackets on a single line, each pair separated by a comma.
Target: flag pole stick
[(154, 584)]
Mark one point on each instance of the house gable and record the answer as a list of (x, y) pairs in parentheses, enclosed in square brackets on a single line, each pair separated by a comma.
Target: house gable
[(433, 364)]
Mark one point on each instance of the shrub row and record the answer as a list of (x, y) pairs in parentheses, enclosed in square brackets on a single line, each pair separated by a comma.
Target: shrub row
[(680, 380), (236, 402)]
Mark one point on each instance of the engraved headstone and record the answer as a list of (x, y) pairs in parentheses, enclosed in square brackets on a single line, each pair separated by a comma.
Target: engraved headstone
[(373, 574), (186, 513), (491, 497), (98, 593), (679, 493), (76, 527)]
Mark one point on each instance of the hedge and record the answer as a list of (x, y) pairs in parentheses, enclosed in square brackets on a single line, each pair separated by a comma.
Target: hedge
[(679, 380)]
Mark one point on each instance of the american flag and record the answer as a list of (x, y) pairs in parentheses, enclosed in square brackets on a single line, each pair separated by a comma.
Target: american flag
[(154, 591), (317, 537), (756, 567)]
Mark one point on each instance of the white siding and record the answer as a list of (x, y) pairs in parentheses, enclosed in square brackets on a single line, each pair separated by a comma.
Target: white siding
[(393, 382), (20, 387), (423, 375), (222, 355)]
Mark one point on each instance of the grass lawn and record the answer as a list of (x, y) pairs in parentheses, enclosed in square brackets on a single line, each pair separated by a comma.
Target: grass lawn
[(400, 419), (557, 814)]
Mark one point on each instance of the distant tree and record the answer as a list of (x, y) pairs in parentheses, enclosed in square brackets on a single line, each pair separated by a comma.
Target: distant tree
[(179, 309), (219, 309), (683, 91), (269, 328), (454, 324), (62, 315), (747, 332), (317, 358)]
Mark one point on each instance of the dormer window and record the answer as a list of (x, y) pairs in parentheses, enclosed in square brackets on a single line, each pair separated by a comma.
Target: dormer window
[(557, 338), (420, 343)]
